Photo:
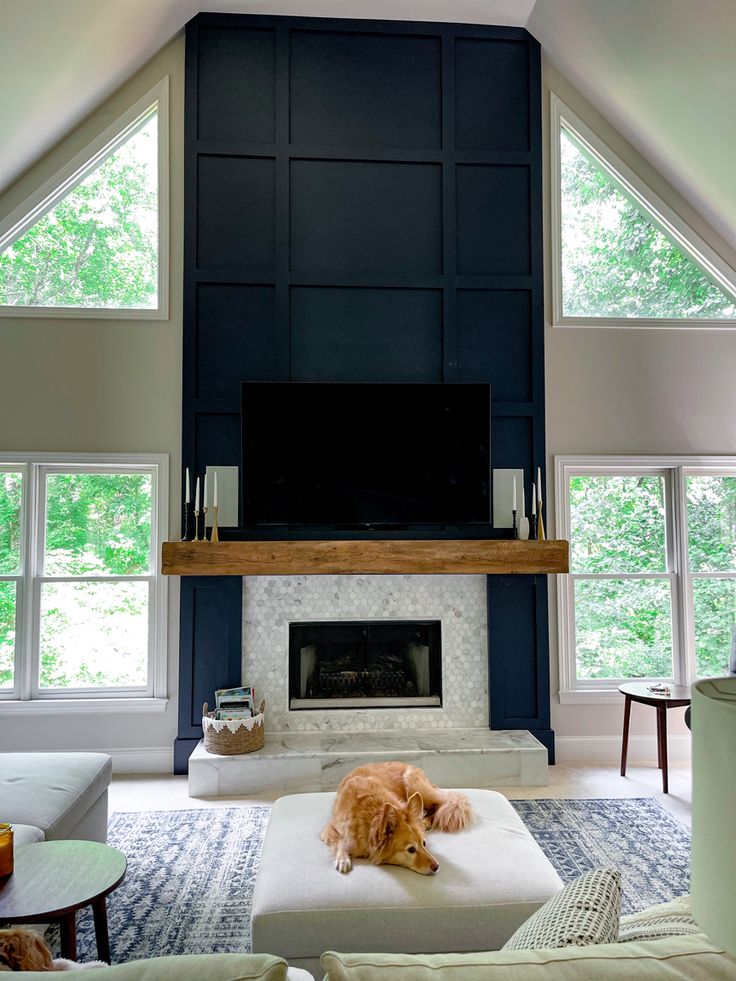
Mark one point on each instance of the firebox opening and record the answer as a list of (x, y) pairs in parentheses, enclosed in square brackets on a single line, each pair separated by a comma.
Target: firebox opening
[(365, 664)]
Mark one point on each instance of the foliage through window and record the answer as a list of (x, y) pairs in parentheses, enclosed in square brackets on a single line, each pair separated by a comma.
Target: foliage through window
[(78, 548), (652, 585), (616, 262), (93, 242)]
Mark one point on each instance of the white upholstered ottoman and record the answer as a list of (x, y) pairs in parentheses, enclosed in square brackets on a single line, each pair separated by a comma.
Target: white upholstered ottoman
[(492, 877)]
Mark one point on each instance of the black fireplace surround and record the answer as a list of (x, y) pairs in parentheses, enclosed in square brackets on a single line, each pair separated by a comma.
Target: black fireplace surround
[(362, 203), (365, 664)]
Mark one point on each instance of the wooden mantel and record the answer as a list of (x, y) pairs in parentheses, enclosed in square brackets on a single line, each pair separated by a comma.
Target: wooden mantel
[(317, 558)]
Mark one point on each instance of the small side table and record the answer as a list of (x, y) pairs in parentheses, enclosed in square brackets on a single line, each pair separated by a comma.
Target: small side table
[(638, 691), (54, 879)]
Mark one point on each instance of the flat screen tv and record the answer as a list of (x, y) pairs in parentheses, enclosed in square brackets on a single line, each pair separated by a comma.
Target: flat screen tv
[(338, 454)]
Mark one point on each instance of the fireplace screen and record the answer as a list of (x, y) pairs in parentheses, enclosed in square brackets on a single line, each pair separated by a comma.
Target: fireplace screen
[(365, 664)]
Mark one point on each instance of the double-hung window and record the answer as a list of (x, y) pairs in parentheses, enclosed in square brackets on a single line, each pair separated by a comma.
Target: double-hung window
[(82, 602), (651, 592)]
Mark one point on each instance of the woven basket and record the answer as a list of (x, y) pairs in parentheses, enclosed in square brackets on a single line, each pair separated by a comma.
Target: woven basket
[(233, 736)]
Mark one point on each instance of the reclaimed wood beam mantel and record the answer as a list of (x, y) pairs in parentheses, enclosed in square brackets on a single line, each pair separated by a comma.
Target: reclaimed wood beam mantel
[(318, 558)]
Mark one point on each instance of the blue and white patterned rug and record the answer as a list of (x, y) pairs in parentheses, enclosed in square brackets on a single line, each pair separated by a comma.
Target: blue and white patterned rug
[(638, 837), (189, 884)]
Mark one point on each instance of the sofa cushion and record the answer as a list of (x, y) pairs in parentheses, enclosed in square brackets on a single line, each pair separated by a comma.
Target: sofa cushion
[(664, 920), (585, 912), (492, 876), (188, 967), (691, 958), (52, 791), (25, 834)]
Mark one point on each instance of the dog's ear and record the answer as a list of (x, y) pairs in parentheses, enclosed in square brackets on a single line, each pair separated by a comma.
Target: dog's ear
[(382, 826), (415, 807)]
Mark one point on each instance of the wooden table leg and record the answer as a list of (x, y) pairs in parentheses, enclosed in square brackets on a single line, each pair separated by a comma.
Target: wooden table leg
[(102, 935), (662, 709), (659, 736), (625, 740), (68, 931)]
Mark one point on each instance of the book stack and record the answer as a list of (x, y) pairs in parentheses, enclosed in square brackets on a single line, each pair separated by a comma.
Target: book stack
[(235, 703)]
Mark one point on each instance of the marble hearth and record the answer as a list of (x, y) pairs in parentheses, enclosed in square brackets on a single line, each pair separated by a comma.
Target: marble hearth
[(302, 762)]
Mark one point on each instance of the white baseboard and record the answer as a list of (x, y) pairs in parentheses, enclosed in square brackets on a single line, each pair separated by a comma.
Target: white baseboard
[(607, 749), (155, 759)]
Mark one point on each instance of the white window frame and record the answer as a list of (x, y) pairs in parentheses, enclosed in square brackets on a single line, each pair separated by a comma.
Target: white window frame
[(27, 696), (573, 690), (659, 213), (73, 173)]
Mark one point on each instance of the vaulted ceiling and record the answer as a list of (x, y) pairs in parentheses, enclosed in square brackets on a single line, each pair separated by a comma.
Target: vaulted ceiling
[(662, 71)]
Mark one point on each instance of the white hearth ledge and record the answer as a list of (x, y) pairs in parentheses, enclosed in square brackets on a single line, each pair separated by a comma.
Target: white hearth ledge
[(305, 762)]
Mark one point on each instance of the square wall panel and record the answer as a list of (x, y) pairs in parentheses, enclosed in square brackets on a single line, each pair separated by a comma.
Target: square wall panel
[(366, 217), (512, 445), (216, 440), (493, 220), (495, 341), (491, 95), (234, 339), (366, 335), (235, 211), (365, 90), (236, 81)]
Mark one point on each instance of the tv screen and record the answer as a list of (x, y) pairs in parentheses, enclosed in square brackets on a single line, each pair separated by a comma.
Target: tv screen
[(339, 454)]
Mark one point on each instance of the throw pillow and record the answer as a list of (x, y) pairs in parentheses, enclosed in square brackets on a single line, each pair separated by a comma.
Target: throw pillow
[(586, 911), (671, 919)]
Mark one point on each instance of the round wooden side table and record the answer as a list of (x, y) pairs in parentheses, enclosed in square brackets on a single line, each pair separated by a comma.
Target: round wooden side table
[(54, 879), (638, 691)]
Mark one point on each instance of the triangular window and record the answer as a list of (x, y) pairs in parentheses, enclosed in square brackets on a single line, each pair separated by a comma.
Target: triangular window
[(623, 257), (92, 243)]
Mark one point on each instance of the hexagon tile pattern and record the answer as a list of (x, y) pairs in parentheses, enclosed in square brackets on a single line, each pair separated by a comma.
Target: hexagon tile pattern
[(271, 602)]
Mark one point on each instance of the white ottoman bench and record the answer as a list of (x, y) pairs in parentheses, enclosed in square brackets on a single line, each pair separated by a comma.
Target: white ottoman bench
[(492, 877)]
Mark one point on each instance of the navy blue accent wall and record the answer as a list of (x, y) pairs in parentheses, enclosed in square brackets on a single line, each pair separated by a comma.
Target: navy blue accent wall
[(363, 203)]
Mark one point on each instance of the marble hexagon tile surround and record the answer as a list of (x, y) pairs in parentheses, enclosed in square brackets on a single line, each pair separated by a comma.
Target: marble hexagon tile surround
[(270, 603)]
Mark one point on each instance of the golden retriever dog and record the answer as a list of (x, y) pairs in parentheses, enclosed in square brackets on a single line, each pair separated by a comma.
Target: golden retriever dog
[(382, 811), (24, 950)]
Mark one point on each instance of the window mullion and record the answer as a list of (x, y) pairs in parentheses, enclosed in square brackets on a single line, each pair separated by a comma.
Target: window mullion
[(686, 659)]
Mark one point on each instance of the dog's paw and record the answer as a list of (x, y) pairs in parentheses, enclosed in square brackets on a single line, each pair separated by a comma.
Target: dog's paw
[(344, 864)]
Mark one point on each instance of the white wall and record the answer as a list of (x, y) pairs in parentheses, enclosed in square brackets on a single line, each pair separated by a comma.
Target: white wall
[(629, 391), (103, 385)]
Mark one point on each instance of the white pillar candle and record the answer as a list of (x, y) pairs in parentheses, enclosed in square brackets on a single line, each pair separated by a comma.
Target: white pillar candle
[(196, 495), (186, 492), (204, 494), (534, 498), (513, 498), (214, 494), (539, 486)]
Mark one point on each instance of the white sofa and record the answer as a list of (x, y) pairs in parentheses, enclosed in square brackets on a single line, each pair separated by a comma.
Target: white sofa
[(51, 796)]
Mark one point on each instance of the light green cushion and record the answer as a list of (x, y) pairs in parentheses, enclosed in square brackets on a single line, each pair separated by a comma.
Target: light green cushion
[(691, 958), (187, 967)]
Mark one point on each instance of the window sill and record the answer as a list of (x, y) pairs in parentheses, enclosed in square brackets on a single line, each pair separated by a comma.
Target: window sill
[(592, 696), (83, 706)]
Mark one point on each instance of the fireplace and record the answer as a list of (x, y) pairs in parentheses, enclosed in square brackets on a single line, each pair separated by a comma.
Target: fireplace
[(365, 664)]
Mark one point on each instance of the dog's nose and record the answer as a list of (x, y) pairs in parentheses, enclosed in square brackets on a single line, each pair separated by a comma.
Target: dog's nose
[(435, 867)]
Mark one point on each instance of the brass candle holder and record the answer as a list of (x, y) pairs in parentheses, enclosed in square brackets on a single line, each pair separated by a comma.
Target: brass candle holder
[(204, 523), (540, 523), (215, 536), (196, 527)]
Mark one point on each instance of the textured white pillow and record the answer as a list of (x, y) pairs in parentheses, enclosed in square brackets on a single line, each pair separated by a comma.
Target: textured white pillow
[(586, 911), (672, 919)]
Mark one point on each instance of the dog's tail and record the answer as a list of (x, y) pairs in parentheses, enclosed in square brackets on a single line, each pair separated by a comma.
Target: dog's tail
[(453, 813)]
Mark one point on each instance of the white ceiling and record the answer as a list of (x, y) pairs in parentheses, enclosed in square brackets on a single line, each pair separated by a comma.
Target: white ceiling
[(662, 71)]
